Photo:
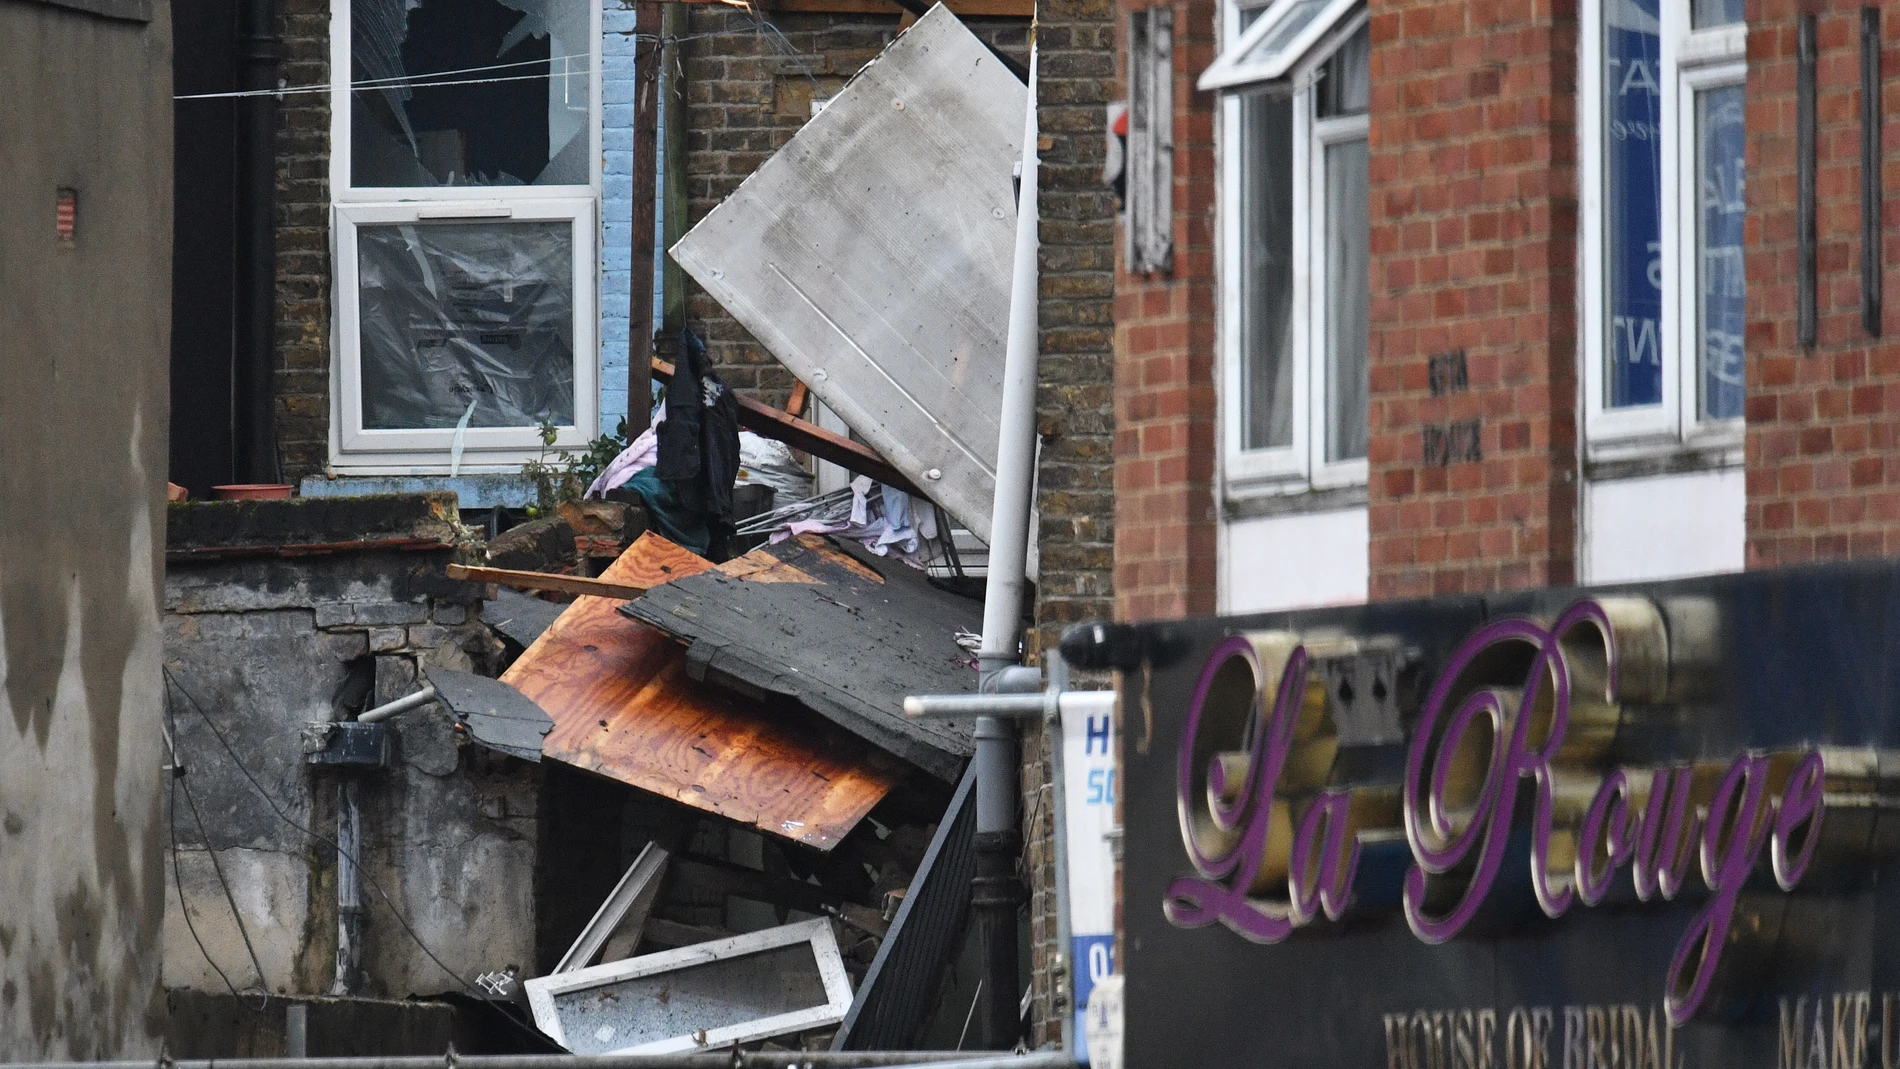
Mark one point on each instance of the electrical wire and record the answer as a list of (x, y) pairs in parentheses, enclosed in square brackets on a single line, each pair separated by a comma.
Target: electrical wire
[(438, 79), (172, 681), (178, 876), (466, 987), (224, 885)]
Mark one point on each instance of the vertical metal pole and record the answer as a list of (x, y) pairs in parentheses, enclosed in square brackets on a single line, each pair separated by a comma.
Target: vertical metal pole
[(1806, 317), (998, 838), (1064, 972), (349, 891), (297, 1030), (1870, 168)]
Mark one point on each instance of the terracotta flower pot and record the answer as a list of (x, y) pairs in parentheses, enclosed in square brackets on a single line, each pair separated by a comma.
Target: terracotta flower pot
[(250, 491)]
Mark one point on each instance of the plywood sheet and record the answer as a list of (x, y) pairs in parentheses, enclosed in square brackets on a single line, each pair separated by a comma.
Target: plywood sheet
[(872, 256), (624, 707)]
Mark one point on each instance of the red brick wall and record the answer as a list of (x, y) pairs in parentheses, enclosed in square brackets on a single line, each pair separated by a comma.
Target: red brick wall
[(1164, 368), (1823, 423), (1474, 217)]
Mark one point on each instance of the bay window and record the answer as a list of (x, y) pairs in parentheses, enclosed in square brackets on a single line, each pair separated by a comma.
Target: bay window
[(465, 176)]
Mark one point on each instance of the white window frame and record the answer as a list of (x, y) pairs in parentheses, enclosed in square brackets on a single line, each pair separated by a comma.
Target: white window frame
[(485, 449), (359, 451), (1302, 465), (1691, 60)]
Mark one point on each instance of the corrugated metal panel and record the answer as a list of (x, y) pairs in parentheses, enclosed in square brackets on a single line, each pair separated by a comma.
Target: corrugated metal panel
[(624, 707), (872, 256), (899, 990)]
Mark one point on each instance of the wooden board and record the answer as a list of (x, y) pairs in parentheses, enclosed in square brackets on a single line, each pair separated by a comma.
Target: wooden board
[(624, 707), (872, 256)]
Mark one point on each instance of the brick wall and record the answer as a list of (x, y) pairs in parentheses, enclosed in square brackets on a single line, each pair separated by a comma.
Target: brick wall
[(303, 245), (1823, 480), (1075, 414), (1164, 370), (749, 86), (1478, 259)]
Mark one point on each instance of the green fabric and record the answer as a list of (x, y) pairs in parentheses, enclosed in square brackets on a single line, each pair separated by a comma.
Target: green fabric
[(669, 516)]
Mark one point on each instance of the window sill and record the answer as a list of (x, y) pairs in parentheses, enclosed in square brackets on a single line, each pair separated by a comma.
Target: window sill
[(1640, 460), (1258, 505)]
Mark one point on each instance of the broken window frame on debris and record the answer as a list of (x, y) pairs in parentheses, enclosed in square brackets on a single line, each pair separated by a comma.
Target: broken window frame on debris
[(544, 991), (355, 449)]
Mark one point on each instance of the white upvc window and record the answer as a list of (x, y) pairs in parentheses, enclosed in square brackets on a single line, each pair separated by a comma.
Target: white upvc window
[(1663, 141), (1294, 246), (465, 178)]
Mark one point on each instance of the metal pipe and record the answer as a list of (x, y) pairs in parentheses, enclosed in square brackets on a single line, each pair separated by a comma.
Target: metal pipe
[(995, 890), (698, 1060), (1011, 706), (400, 705), (349, 891), (1063, 997), (965, 706), (259, 50)]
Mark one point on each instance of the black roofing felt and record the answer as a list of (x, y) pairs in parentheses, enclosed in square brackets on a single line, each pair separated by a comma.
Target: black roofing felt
[(848, 648)]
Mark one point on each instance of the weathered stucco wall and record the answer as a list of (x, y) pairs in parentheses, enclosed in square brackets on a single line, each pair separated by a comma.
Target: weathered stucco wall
[(262, 644), (83, 382)]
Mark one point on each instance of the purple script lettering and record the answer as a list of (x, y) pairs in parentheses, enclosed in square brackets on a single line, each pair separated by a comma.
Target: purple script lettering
[(1230, 808), (1274, 848)]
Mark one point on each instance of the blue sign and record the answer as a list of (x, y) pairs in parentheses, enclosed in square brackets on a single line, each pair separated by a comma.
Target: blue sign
[(1722, 315)]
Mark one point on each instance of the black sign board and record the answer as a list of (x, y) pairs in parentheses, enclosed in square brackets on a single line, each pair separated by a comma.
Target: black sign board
[(1631, 828)]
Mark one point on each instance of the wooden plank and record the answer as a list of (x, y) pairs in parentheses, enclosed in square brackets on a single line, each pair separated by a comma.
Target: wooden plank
[(768, 422), (624, 707), (888, 294), (560, 584), (646, 143)]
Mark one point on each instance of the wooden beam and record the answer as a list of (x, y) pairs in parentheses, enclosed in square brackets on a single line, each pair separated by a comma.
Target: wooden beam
[(560, 584), (796, 406), (646, 143), (768, 422)]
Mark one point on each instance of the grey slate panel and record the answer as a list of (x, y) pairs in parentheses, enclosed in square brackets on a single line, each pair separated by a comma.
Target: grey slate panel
[(520, 617), (848, 648), (496, 715)]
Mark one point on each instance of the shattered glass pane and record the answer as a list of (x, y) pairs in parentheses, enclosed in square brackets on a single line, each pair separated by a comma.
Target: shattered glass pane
[(695, 998), (455, 314), (469, 92)]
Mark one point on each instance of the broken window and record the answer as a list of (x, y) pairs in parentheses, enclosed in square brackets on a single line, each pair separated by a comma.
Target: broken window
[(470, 92), (466, 174)]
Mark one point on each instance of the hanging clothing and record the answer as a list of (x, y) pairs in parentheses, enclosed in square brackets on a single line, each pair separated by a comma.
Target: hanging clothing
[(699, 443)]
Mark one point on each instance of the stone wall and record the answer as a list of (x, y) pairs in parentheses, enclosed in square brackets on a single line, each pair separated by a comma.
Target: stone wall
[(259, 641)]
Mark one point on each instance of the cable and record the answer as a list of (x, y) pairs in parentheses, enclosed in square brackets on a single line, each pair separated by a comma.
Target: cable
[(466, 987), (230, 900), (321, 838), (178, 875)]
